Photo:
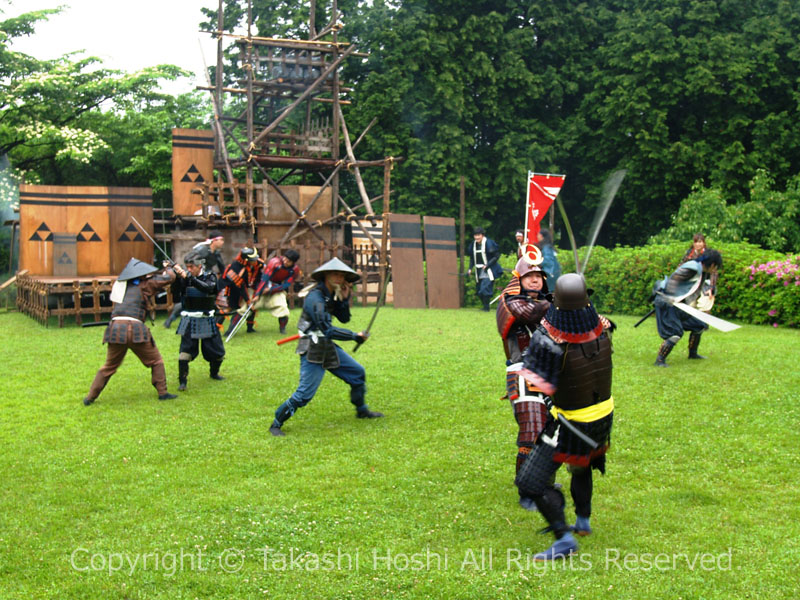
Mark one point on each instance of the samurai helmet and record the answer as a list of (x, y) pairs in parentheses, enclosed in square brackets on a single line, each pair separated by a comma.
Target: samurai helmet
[(531, 262), (249, 253), (571, 293), (135, 269), (335, 264)]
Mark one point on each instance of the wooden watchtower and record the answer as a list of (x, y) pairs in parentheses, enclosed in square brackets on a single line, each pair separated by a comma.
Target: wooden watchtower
[(280, 116)]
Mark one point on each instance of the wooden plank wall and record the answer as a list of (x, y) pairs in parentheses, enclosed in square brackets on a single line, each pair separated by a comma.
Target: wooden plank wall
[(441, 262), (95, 216), (192, 165), (407, 275)]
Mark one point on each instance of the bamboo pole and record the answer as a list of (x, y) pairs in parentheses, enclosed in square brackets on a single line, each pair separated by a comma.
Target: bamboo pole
[(326, 183), (331, 68), (462, 247), (356, 172)]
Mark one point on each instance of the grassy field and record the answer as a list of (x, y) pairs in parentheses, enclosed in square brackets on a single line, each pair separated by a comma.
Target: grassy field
[(192, 498)]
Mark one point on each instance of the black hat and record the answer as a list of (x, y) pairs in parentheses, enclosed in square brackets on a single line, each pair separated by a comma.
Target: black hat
[(572, 316), (136, 268)]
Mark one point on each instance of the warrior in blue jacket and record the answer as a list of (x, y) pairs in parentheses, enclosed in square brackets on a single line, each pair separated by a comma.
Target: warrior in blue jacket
[(317, 350)]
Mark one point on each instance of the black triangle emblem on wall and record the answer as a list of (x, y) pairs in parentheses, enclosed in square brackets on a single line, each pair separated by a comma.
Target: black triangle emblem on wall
[(192, 175), (139, 238), (95, 238), (131, 227), (87, 227), (40, 236), (124, 237)]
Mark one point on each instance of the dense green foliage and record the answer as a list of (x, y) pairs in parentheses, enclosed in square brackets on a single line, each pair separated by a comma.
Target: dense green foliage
[(623, 279), (69, 121), (676, 92), (769, 218), (195, 476), (693, 97)]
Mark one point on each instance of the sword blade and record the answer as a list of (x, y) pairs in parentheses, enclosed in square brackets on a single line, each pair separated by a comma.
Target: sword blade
[(706, 318), (238, 325)]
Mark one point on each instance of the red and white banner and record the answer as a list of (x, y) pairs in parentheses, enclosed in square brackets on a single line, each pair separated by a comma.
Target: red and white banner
[(542, 191)]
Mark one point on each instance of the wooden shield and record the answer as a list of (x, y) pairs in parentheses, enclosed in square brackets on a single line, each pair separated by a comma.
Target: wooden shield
[(441, 262), (407, 275), (192, 165), (65, 254)]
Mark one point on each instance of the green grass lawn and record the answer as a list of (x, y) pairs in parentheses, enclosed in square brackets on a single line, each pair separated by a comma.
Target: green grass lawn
[(192, 498)]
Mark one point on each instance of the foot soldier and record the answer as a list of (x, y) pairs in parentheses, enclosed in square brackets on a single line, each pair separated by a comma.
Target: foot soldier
[(242, 274), (483, 257), (569, 358), (209, 253), (686, 284), (198, 328), (278, 276), (133, 296), (519, 311), (316, 347)]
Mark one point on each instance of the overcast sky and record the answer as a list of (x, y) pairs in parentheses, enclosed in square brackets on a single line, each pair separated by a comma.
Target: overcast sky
[(127, 34)]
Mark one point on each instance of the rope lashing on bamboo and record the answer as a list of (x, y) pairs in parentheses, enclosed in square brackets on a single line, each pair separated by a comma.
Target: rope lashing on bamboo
[(390, 160)]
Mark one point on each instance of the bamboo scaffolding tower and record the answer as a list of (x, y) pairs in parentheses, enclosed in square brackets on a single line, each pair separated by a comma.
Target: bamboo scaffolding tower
[(284, 112)]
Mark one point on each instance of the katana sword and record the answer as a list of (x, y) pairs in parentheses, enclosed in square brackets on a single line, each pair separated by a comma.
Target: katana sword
[(644, 318), (155, 243), (377, 308), (706, 318), (239, 323)]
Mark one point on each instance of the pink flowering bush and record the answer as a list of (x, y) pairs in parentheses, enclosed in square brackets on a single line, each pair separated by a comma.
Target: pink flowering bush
[(754, 286), (777, 283)]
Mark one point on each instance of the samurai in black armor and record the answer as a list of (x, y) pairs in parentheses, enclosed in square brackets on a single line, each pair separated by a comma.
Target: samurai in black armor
[(569, 358), (198, 329)]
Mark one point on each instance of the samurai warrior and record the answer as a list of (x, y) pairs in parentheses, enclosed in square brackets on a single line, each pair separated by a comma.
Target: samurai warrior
[(133, 296), (316, 347), (483, 256), (242, 274), (519, 311), (686, 284), (277, 277), (569, 358), (198, 328)]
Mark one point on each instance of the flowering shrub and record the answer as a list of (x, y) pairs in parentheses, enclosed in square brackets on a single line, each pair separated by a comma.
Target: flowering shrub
[(780, 280), (754, 286)]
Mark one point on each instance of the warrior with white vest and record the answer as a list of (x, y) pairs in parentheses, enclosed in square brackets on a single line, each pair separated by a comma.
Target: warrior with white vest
[(483, 256), (133, 295), (317, 350), (569, 358), (198, 329), (686, 284), (522, 305)]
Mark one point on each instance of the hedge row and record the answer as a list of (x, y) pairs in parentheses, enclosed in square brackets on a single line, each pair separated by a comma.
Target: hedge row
[(755, 285)]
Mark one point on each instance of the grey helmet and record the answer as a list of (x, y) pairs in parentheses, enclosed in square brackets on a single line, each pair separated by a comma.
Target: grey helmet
[(335, 264), (135, 269)]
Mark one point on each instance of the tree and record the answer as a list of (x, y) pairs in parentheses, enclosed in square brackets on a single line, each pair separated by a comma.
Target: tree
[(66, 121)]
